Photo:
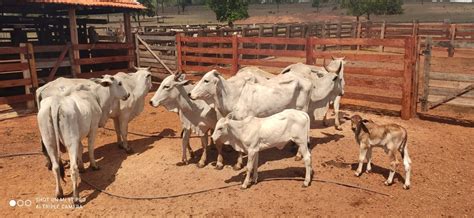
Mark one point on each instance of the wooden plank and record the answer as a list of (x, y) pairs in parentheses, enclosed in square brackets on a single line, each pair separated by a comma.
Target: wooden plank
[(273, 52), (13, 67), (97, 74), (16, 99), (449, 91), (451, 97), (188, 68), (159, 47), (12, 50), (213, 39), (207, 59), (15, 82), (100, 60), (52, 74), (398, 43), (179, 57), (407, 80), (373, 82), (32, 66), (426, 75), (452, 77), (372, 98), (75, 68), (48, 48), (154, 55), (373, 71), (266, 63), (103, 46), (360, 56), (158, 38), (273, 40), (207, 50)]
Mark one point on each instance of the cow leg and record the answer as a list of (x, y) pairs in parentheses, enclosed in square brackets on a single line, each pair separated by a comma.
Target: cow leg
[(123, 133), (73, 156), (298, 156), (80, 162), (250, 161), (55, 164), (117, 131), (369, 160), (325, 118), (255, 168), (90, 142), (190, 150), (406, 164), (303, 148), (393, 166), (336, 112), (220, 160), (202, 161), (362, 154), (240, 160), (184, 145)]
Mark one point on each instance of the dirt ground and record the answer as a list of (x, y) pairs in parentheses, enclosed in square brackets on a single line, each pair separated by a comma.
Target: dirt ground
[(442, 179)]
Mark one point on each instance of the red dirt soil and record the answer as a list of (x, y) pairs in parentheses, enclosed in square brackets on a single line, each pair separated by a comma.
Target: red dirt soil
[(442, 178)]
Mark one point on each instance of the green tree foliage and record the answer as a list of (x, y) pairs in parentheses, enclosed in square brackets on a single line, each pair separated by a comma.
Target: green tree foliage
[(150, 8), (315, 3), (229, 10), (369, 7)]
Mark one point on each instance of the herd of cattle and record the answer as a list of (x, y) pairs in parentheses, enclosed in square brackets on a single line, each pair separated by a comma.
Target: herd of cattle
[(251, 111)]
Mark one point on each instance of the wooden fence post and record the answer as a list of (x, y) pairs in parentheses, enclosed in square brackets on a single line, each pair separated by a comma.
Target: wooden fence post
[(27, 75), (359, 32), (179, 57), (338, 34), (354, 33), (137, 50), (407, 95), (235, 54), (309, 51), (426, 75), (382, 35)]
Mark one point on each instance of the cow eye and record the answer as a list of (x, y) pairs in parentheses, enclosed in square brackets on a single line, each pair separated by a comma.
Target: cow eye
[(206, 81), (166, 87), (220, 128), (148, 76)]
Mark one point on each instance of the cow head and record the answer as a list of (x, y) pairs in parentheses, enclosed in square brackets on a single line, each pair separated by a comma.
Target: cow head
[(168, 91), (206, 87), (221, 131), (337, 66), (357, 123), (143, 78), (115, 86)]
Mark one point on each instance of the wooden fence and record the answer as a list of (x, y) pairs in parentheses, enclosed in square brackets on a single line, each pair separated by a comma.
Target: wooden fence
[(447, 80), (17, 69), (393, 83)]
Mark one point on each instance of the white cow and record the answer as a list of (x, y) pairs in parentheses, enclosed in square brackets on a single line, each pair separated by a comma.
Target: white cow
[(325, 91), (138, 84), (252, 135), (195, 115), (68, 119)]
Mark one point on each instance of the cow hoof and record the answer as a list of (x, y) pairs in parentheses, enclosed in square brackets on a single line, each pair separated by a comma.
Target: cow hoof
[(201, 165), (298, 158), (59, 195), (129, 151), (77, 204), (357, 174), (95, 168), (243, 187), (368, 171), (219, 167), (387, 183), (406, 187), (338, 128), (305, 185), (237, 167)]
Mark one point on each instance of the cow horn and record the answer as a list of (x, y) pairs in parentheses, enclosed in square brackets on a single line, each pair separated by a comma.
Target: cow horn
[(176, 76), (326, 68), (339, 69)]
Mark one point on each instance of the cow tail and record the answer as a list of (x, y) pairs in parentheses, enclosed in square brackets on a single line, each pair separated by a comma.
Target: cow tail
[(404, 150), (55, 108)]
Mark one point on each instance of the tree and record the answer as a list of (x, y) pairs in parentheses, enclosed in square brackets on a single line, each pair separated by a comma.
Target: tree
[(315, 4), (278, 2), (369, 7), (229, 10), (150, 8)]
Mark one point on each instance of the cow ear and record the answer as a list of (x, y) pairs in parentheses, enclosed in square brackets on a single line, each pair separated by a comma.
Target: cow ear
[(105, 83), (182, 77), (363, 126), (183, 82), (136, 68), (216, 74)]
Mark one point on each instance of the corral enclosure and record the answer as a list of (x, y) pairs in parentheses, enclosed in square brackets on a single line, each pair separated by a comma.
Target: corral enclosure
[(402, 69)]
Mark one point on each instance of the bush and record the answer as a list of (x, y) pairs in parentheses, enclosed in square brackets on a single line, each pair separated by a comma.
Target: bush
[(229, 10), (316, 3)]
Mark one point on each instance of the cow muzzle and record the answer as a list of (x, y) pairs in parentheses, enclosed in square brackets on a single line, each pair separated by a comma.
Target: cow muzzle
[(191, 96), (126, 97)]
